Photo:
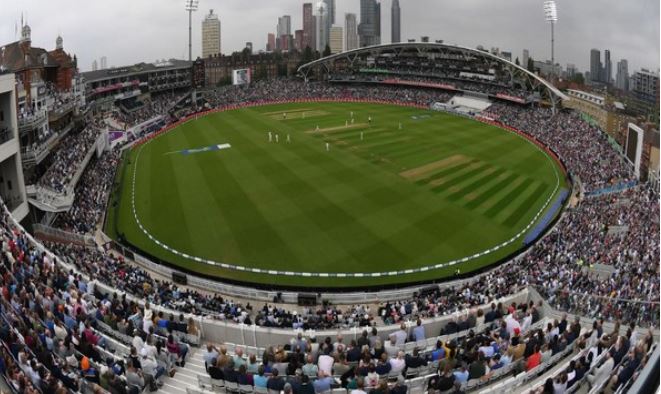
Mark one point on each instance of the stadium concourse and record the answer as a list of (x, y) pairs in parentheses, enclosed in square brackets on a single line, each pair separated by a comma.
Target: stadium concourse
[(62, 332)]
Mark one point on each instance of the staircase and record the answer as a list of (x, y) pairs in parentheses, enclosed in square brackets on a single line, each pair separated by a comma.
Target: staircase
[(187, 376)]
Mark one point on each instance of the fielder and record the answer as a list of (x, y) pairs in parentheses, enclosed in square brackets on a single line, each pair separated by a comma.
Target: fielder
[(288, 139), (276, 138), (327, 147), (270, 137)]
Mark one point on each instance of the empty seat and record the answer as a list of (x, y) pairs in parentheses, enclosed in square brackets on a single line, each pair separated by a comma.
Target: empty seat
[(231, 387), (246, 389), (204, 381), (218, 384)]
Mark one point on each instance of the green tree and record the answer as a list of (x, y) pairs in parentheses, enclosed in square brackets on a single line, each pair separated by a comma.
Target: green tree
[(327, 51), (308, 56), (517, 61), (531, 65), (578, 78)]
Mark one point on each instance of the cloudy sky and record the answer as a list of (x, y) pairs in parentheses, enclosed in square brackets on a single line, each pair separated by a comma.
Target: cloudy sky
[(129, 31)]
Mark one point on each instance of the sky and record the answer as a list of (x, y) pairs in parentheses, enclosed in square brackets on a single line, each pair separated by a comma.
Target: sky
[(131, 31)]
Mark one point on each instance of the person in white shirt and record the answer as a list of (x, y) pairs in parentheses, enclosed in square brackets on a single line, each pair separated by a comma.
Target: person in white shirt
[(527, 322), (325, 363), (400, 335), (137, 342), (512, 323), (602, 372), (390, 347), (339, 346), (397, 364)]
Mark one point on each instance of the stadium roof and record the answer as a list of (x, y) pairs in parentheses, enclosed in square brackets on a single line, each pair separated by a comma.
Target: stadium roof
[(536, 80), (114, 72)]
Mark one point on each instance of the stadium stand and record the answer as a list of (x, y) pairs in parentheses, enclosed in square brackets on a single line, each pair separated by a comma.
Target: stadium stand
[(84, 321)]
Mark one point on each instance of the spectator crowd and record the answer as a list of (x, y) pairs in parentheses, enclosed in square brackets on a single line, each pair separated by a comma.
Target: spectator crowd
[(614, 230)]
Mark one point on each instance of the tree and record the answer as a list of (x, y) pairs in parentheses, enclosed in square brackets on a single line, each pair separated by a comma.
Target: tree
[(327, 50), (517, 61), (578, 78), (308, 56), (531, 65)]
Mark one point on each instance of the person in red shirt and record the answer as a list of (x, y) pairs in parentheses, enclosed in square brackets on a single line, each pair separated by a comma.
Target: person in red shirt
[(534, 360)]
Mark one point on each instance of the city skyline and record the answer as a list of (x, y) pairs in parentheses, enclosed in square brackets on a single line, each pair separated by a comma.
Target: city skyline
[(603, 27)]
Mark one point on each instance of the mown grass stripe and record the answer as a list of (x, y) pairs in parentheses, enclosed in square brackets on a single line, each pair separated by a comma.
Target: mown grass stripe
[(461, 178), (475, 184), (444, 172), (502, 203), (515, 216), (487, 194)]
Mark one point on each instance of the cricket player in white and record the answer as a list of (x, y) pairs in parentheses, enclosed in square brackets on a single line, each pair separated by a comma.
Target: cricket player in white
[(270, 137), (327, 147), (288, 139), (276, 138)]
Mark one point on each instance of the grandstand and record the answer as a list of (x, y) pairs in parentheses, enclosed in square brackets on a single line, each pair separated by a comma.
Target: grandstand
[(577, 311)]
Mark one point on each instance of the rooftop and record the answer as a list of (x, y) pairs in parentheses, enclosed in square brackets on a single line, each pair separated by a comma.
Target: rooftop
[(114, 72)]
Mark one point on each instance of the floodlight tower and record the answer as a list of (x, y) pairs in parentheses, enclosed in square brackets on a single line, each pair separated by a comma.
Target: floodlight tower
[(551, 15), (191, 5)]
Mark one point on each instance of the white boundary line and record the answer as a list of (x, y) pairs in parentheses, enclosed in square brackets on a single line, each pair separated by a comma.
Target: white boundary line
[(450, 263)]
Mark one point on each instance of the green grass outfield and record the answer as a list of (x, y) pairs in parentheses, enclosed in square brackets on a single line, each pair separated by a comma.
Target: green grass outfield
[(440, 188)]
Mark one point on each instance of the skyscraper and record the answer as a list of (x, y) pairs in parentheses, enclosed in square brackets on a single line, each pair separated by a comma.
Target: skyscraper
[(369, 29), (395, 20), (270, 43), (322, 26), (284, 25), (622, 76), (309, 36), (526, 56), (95, 65), (571, 70), (608, 67), (350, 31), (298, 40), (210, 35), (283, 32), (595, 65), (104, 63), (335, 39), (330, 7)]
